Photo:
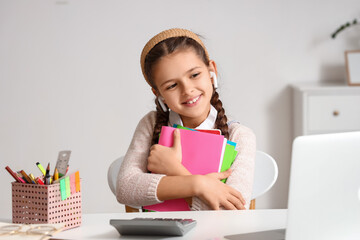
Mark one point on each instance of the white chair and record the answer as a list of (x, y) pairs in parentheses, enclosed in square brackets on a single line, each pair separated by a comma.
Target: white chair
[(266, 173), (112, 176), (113, 172)]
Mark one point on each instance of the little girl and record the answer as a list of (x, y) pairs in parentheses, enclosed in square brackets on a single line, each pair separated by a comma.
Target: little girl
[(176, 65)]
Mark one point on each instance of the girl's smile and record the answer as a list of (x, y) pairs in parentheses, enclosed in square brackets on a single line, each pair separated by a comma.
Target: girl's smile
[(192, 101)]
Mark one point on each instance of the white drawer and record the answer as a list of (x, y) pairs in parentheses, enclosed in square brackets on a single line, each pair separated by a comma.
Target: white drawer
[(333, 113)]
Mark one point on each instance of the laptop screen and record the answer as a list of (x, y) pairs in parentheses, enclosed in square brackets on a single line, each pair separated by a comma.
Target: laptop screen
[(324, 201)]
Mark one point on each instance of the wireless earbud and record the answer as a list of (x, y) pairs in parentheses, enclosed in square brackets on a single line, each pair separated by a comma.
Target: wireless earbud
[(213, 76), (162, 104)]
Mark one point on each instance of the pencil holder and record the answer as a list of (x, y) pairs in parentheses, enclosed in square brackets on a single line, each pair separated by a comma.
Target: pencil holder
[(41, 204)]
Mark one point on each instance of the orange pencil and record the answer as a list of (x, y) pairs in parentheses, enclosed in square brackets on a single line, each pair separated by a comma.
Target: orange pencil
[(27, 178)]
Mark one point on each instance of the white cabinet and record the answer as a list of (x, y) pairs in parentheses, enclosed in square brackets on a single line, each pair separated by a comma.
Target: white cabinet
[(325, 108)]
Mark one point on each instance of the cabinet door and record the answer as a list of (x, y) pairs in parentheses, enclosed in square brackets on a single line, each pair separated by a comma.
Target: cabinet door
[(333, 113)]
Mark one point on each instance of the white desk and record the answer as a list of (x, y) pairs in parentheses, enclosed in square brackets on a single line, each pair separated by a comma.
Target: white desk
[(211, 225)]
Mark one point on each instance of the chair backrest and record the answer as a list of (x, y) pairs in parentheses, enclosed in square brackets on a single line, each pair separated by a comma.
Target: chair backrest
[(113, 172), (112, 177), (265, 175)]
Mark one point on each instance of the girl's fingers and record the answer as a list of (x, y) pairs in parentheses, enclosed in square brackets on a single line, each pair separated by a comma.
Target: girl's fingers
[(228, 205), (236, 203), (238, 195), (241, 198), (177, 140), (227, 173), (222, 175), (214, 206)]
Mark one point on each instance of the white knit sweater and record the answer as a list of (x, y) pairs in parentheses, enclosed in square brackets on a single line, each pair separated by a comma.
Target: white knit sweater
[(137, 187)]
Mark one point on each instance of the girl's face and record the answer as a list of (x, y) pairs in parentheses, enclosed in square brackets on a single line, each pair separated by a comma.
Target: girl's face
[(183, 80)]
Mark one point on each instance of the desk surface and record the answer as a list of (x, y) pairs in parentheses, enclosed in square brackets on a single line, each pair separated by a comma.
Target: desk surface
[(211, 225)]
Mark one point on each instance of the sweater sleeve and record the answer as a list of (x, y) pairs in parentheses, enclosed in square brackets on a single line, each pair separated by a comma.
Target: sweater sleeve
[(242, 175), (135, 186)]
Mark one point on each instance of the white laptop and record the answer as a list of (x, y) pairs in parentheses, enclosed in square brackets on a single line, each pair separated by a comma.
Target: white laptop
[(324, 196)]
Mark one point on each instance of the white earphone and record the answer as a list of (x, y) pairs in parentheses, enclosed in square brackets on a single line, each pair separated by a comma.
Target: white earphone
[(213, 76), (162, 104)]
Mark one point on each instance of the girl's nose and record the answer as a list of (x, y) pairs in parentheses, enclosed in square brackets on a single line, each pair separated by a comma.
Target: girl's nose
[(188, 88)]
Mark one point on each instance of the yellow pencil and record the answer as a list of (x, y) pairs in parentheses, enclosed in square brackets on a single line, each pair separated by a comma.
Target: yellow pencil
[(31, 176), (56, 174)]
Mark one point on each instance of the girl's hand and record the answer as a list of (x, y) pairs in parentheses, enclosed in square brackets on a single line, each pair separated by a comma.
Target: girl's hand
[(216, 193), (167, 160)]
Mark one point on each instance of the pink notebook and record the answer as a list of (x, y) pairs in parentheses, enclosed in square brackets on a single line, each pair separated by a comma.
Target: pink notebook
[(201, 154)]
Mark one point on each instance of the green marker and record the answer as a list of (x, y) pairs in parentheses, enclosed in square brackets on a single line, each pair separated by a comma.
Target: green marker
[(41, 168)]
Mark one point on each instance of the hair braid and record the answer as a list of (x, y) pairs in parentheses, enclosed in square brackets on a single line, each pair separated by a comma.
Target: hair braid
[(221, 119), (162, 119)]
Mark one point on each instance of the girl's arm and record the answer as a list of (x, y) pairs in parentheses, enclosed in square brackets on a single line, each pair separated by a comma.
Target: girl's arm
[(135, 186), (208, 187)]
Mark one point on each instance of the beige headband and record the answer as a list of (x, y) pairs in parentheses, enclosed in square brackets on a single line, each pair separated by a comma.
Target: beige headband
[(174, 32)]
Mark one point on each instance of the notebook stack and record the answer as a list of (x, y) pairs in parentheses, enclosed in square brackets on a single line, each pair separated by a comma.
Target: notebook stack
[(203, 152)]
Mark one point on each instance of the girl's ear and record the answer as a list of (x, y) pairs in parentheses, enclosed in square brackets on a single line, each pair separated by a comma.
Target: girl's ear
[(212, 66), (213, 73), (157, 94), (154, 92)]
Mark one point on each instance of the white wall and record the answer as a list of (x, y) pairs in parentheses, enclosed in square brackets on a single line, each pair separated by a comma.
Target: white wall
[(70, 76)]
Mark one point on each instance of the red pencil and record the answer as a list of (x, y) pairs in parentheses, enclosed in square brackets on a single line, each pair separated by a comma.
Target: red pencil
[(14, 175)]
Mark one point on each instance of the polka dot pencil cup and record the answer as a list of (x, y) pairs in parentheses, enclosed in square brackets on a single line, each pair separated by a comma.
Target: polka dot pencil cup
[(40, 204)]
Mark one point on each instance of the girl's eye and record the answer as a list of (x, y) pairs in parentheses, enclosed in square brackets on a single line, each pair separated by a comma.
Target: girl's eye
[(171, 86), (195, 75)]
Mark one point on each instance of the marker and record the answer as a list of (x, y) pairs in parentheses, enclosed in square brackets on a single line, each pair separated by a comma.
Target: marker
[(14, 175), (39, 181), (47, 175), (41, 168)]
